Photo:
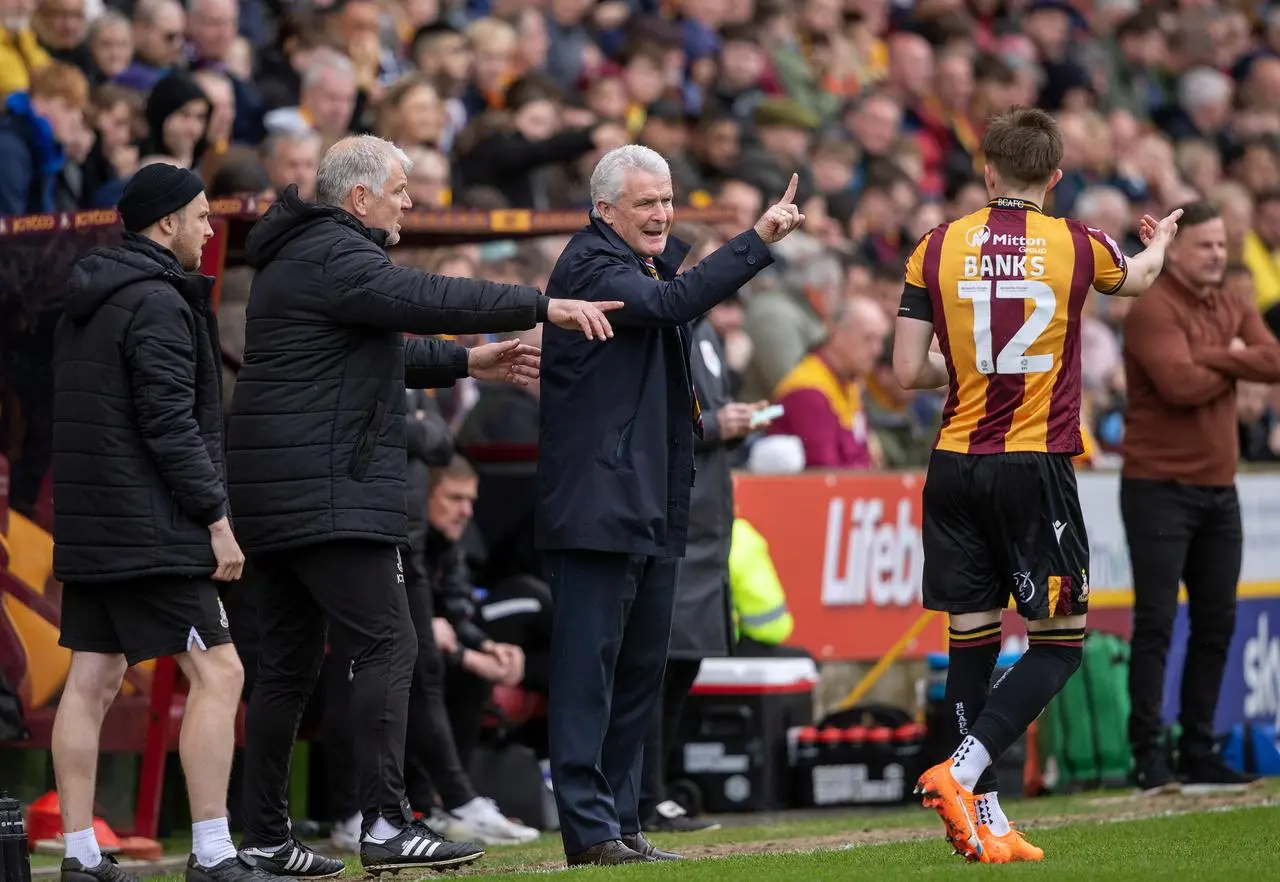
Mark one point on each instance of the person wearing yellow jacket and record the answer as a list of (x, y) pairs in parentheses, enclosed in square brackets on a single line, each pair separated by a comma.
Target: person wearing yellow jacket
[(20, 55), (1085, 459), (760, 612)]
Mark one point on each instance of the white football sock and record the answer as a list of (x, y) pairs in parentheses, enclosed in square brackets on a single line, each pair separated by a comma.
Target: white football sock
[(83, 846), (971, 760), (211, 842), (382, 830), (996, 819)]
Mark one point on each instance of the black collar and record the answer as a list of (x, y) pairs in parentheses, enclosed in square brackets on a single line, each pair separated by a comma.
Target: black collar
[(668, 262), (1008, 203)]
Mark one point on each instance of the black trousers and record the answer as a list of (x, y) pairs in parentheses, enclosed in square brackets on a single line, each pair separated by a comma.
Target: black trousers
[(676, 682), (432, 761), (1179, 533), (329, 705), (608, 651), (748, 647), (518, 611), (337, 735), (357, 588)]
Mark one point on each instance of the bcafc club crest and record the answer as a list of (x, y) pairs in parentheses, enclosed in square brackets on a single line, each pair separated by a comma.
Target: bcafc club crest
[(222, 615)]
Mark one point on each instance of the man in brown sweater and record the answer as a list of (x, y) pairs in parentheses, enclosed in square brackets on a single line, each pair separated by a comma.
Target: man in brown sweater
[(1186, 343)]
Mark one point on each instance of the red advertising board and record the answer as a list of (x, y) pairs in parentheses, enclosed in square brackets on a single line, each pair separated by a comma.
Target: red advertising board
[(214, 258), (847, 549)]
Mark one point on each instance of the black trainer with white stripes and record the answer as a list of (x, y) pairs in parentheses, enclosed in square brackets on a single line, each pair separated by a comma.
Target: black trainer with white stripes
[(417, 845), (295, 859)]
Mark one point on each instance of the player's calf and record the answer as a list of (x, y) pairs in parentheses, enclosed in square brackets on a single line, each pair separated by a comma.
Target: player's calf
[(1022, 694)]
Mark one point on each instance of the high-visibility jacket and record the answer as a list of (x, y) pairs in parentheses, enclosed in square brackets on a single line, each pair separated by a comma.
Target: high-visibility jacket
[(1086, 458), (759, 602)]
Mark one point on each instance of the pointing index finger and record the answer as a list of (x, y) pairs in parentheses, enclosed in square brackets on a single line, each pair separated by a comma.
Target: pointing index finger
[(789, 196)]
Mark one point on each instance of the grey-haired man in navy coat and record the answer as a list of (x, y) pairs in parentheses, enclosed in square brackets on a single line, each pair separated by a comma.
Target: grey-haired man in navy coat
[(615, 468)]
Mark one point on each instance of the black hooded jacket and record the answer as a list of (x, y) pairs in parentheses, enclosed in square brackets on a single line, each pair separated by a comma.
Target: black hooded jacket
[(138, 470), (316, 442)]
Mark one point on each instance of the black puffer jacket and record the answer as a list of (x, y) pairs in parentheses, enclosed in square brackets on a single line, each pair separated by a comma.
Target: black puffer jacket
[(138, 472), (316, 441)]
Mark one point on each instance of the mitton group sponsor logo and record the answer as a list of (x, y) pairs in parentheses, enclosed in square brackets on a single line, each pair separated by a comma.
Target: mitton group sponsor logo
[(873, 555), (977, 237)]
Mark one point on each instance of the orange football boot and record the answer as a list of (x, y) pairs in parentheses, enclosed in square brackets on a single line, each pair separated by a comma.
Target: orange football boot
[(1012, 846), (956, 806)]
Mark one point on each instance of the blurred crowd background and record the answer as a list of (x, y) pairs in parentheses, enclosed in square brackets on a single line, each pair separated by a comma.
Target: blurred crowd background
[(879, 105)]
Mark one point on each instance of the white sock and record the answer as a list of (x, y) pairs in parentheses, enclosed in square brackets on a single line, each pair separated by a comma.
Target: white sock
[(381, 831), (995, 819), (211, 842), (971, 760), (83, 846)]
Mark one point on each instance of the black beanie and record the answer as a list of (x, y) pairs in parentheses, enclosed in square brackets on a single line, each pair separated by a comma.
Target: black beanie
[(154, 191)]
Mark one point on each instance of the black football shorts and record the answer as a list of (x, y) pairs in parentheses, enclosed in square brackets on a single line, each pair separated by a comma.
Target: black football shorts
[(144, 618), (1001, 525)]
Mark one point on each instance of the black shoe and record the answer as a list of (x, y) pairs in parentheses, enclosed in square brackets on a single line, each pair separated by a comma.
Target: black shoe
[(240, 868), (1210, 774), (647, 849), (1153, 776), (606, 854), (105, 871), (295, 859), (416, 846), (670, 817)]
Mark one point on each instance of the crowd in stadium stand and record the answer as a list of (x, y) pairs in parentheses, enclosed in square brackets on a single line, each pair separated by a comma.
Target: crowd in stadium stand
[(508, 103), (878, 105)]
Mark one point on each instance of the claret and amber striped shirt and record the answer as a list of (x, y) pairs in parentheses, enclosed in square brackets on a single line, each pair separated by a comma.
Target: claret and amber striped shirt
[(1004, 287)]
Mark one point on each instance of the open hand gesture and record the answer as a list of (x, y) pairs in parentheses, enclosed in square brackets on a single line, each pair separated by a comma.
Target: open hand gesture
[(1151, 230), (509, 361), (782, 217), (583, 315)]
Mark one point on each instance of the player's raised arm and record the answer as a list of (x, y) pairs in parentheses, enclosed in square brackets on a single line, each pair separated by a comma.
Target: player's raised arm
[(1146, 265)]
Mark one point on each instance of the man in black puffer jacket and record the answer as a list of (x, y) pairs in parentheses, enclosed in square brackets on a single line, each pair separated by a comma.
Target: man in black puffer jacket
[(316, 464), (141, 526)]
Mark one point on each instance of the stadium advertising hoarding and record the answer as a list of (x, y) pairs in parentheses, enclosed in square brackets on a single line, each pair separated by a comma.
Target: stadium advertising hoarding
[(847, 548)]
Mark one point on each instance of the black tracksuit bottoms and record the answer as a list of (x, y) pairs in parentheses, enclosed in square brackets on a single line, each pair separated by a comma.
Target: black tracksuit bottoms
[(357, 588)]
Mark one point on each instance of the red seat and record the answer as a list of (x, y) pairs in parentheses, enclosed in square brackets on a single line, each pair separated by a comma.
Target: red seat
[(517, 705)]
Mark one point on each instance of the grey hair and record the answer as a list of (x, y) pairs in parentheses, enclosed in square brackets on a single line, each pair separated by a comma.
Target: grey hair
[(1094, 199), (1202, 86), (146, 11), (289, 136), (198, 5), (109, 18), (324, 60), (819, 270), (360, 159), (606, 180)]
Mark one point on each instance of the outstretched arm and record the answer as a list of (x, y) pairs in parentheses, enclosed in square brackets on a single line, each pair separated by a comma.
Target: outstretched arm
[(650, 302), (1143, 268), (363, 287), (433, 364)]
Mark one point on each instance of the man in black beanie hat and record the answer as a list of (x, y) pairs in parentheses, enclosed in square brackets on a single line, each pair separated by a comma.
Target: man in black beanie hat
[(141, 529)]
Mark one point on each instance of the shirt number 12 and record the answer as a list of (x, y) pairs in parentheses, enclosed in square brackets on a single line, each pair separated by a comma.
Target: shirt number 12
[(1013, 358)]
